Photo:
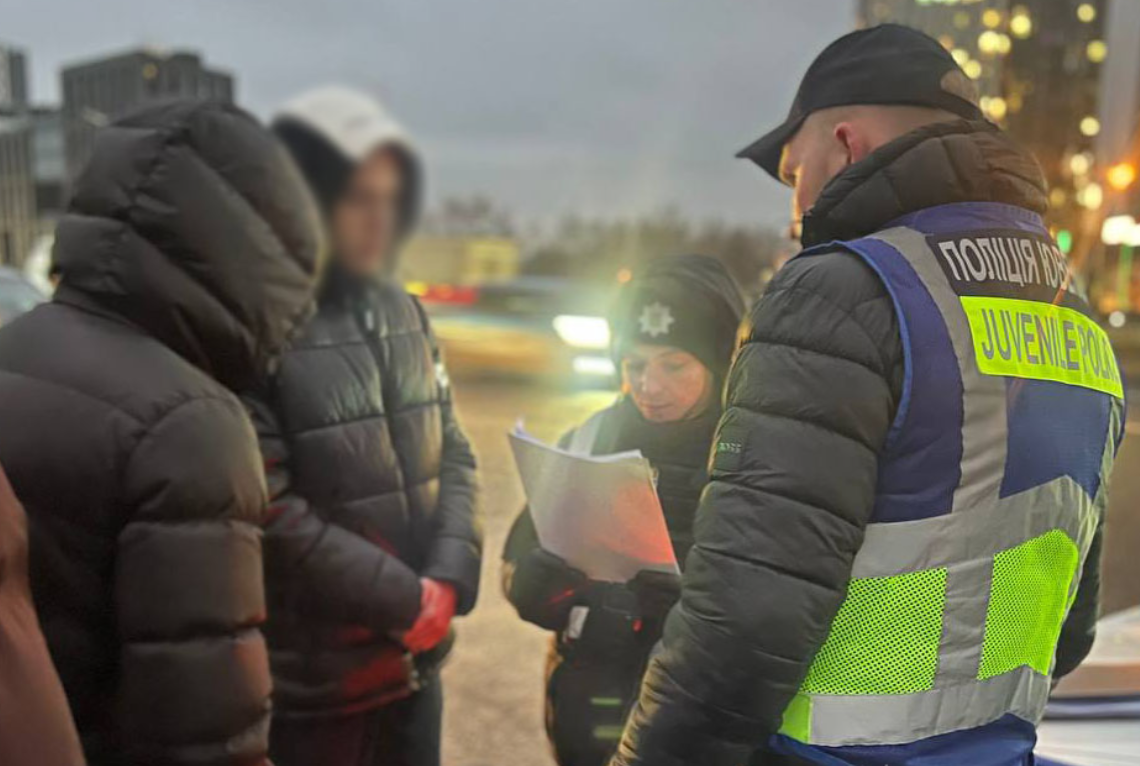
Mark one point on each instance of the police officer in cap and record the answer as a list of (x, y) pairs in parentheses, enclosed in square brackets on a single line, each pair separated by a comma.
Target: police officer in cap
[(897, 551)]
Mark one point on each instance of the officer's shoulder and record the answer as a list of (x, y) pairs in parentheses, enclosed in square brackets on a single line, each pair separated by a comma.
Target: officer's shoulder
[(837, 276), (792, 309)]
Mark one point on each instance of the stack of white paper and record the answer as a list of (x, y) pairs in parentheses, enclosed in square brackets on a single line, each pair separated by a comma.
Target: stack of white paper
[(599, 513)]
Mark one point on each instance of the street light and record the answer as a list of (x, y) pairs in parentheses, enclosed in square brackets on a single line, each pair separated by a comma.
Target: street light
[(1021, 24), (1090, 196), (1121, 175), (1117, 229), (995, 107), (1124, 266), (987, 42), (1122, 230)]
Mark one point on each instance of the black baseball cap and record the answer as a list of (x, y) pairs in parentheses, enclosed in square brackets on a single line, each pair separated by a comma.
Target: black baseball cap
[(887, 64)]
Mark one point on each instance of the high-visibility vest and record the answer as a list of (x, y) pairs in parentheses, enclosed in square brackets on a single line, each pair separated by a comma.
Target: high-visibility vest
[(991, 485)]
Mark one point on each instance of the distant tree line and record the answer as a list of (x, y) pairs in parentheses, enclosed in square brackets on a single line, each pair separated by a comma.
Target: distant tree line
[(474, 216), (599, 249)]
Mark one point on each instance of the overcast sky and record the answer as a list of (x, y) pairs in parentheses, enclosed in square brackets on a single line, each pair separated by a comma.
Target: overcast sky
[(597, 106)]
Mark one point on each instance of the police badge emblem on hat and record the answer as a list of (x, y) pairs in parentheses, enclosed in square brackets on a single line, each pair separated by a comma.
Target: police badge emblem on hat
[(656, 319)]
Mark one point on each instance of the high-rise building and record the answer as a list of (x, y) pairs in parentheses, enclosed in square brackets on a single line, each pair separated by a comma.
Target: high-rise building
[(13, 78), (31, 162), (1119, 141), (1038, 66), (17, 191), (96, 92), (31, 178)]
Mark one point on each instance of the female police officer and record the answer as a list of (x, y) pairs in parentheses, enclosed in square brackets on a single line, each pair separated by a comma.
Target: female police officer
[(674, 329)]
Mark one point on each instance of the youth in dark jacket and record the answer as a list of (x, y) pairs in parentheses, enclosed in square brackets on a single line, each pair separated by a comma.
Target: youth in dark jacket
[(373, 544), (186, 257), (674, 330)]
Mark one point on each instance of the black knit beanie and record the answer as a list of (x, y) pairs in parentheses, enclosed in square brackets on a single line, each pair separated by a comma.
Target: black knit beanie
[(688, 301)]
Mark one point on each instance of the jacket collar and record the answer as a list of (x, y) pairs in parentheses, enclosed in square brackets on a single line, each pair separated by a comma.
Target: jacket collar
[(943, 163)]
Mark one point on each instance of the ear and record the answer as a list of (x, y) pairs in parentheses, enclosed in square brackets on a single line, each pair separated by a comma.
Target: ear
[(853, 142)]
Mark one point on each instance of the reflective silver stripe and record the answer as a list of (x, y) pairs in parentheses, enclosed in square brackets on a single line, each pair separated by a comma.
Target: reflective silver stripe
[(942, 541), (983, 396), (963, 622), (897, 719)]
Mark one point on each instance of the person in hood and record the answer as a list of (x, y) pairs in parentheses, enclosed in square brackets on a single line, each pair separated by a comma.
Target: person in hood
[(35, 722), (187, 256), (374, 544), (897, 550), (674, 329)]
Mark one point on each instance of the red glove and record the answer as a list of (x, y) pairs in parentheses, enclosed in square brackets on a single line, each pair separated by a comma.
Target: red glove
[(437, 607)]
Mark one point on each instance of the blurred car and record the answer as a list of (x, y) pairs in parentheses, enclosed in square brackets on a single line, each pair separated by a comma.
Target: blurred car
[(17, 295), (543, 327)]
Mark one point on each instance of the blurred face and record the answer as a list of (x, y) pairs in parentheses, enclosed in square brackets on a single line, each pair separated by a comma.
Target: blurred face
[(666, 383), (366, 220)]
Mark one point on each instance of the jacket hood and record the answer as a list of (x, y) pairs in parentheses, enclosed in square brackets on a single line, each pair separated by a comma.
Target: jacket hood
[(191, 223), (939, 164), (331, 130), (688, 301)]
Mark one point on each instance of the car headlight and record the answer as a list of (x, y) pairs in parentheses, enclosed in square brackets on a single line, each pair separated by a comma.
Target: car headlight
[(583, 332), (597, 366)]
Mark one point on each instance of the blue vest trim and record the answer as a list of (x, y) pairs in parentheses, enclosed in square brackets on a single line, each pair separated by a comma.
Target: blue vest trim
[(1054, 430), (1008, 741)]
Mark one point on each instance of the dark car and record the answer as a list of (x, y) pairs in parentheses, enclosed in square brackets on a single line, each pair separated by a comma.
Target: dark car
[(545, 327), (17, 295)]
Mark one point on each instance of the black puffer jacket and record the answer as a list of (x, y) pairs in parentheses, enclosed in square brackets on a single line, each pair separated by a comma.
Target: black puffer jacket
[(372, 480), (373, 485), (187, 255), (780, 523)]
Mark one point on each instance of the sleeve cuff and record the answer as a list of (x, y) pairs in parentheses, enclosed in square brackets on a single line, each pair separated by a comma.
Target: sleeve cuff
[(456, 561)]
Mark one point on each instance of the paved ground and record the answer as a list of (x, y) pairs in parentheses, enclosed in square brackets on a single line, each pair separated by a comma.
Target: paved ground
[(494, 681)]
